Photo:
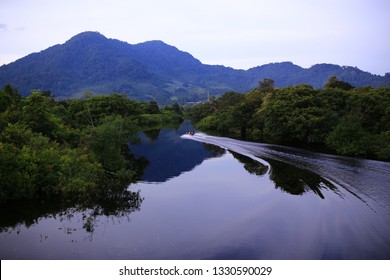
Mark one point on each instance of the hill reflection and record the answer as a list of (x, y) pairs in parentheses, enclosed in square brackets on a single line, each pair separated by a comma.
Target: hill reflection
[(168, 155)]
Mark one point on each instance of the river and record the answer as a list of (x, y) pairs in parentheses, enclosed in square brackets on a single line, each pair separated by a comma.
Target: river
[(207, 197)]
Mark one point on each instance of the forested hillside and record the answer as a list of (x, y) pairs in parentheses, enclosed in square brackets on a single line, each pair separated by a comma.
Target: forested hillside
[(89, 62), (339, 118)]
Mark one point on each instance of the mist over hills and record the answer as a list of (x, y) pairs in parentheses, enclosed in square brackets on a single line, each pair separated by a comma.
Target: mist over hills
[(154, 70)]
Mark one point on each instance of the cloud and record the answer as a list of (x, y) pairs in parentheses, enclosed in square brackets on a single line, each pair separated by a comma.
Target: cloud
[(3, 26)]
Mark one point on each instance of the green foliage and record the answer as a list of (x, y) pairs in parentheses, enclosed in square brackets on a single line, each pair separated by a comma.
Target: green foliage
[(200, 111), (73, 149), (349, 137), (266, 85), (298, 115), (34, 166), (152, 108), (91, 110), (221, 120), (382, 145), (175, 109), (37, 113), (8, 97), (106, 141), (333, 82), (348, 121), (5, 101)]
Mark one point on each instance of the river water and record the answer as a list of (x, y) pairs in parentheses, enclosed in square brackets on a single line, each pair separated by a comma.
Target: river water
[(207, 197)]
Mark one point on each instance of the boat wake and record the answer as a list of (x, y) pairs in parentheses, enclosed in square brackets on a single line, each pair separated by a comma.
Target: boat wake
[(366, 179)]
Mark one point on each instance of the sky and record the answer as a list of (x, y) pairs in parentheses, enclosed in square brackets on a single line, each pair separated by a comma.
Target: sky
[(239, 34)]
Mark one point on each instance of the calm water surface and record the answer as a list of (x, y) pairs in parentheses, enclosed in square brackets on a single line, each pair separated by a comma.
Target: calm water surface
[(205, 197)]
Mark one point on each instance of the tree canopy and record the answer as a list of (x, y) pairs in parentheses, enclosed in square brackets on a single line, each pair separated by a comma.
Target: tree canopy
[(339, 118)]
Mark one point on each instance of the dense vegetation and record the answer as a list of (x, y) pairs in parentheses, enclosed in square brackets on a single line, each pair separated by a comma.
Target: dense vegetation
[(155, 71), (72, 149), (339, 118)]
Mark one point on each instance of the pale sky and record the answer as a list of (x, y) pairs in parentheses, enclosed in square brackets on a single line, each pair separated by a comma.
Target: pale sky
[(240, 34)]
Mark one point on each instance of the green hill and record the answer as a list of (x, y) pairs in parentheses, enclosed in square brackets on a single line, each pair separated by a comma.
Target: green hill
[(90, 62)]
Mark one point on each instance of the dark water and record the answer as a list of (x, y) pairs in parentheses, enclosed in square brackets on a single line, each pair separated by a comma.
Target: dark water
[(205, 197)]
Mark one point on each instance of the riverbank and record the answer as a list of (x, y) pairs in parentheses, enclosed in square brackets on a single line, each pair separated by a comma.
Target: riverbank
[(72, 149), (350, 122)]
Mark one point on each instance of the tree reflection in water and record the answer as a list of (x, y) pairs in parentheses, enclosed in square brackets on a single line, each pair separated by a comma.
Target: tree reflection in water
[(116, 204), (288, 178), (296, 181), (250, 165), (175, 156)]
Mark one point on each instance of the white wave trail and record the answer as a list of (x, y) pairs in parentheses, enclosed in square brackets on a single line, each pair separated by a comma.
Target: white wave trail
[(367, 178)]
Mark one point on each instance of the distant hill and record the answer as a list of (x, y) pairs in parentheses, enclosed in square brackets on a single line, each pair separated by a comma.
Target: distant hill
[(90, 62)]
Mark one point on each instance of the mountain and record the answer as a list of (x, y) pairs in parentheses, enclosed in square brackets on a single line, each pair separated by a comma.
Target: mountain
[(154, 71)]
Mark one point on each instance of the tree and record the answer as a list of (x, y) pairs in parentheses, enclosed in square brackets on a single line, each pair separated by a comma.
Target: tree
[(266, 85), (349, 137), (174, 108), (5, 101), (333, 82), (230, 98), (8, 89), (243, 113), (38, 115), (152, 108), (9, 96)]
